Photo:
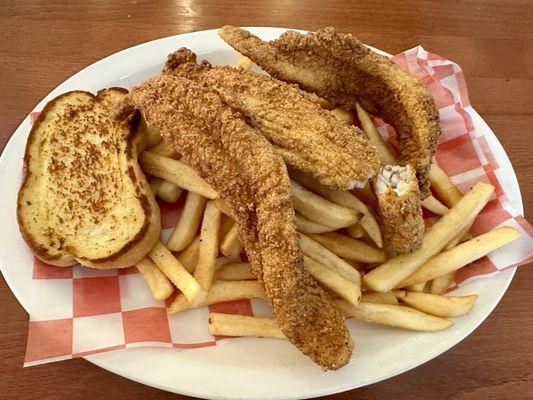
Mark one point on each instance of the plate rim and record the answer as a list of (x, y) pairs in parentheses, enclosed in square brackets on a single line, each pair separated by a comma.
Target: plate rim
[(333, 389)]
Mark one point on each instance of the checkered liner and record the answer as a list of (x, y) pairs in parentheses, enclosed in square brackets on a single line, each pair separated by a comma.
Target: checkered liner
[(95, 311)]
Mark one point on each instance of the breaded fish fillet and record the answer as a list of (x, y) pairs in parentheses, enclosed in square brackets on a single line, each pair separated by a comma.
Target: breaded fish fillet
[(242, 166), (340, 69), (307, 137), (398, 206)]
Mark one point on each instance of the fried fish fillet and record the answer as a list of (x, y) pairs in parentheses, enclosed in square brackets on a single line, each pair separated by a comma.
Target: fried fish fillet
[(340, 69), (399, 209), (306, 136), (242, 166)]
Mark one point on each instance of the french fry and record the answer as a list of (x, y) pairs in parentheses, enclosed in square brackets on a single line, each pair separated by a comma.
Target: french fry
[(462, 254), (238, 271), (158, 283), (432, 204), (397, 269), (245, 63), (243, 325), (222, 291), (155, 183), (169, 191), (329, 259), (392, 315), (439, 284), (223, 207), (381, 298), (385, 155), (165, 150), (209, 242), (176, 172), (350, 248), (177, 274), (417, 287), (189, 257), (440, 306), (443, 185), (346, 199), (230, 245), (460, 237), (356, 264), (345, 289), (225, 224), (343, 115), (322, 211), (147, 136), (306, 226), (365, 194), (188, 223), (355, 231)]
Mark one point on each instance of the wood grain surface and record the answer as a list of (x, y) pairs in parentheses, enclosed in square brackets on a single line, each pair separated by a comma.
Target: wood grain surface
[(44, 42)]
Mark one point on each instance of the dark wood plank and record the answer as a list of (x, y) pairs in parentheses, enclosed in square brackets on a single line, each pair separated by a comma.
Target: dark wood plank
[(43, 43)]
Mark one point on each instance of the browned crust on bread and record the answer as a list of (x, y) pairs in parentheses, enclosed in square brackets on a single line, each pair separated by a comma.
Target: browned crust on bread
[(133, 250)]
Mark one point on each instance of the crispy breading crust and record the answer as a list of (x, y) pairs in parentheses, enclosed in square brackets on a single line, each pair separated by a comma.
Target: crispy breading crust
[(306, 136), (400, 217), (242, 167), (339, 68)]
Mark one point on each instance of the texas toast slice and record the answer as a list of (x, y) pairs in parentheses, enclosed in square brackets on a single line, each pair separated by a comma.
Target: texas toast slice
[(84, 198)]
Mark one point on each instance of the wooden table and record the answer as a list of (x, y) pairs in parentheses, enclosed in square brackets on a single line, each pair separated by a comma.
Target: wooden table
[(42, 45)]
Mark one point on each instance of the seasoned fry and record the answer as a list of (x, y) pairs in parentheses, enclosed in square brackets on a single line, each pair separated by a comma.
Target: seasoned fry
[(440, 306), (432, 204), (177, 274), (306, 226), (230, 245), (443, 185), (392, 315), (243, 325), (350, 248), (391, 273), (176, 172), (381, 298), (439, 284), (321, 210), (221, 291), (345, 289), (238, 271), (343, 115), (327, 258), (163, 149), (346, 199), (385, 155), (188, 223), (209, 242), (158, 283), (462, 254), (189, 257), (245, 63), (355, 231)]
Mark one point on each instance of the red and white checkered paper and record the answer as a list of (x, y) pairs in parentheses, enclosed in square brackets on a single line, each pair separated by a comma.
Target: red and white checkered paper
[(95, 311)]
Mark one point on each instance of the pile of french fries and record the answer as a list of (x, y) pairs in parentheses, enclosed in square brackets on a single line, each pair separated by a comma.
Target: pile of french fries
[(341, 243)]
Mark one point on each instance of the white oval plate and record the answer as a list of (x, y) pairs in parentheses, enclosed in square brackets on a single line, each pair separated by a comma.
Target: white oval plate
[(248, 367)]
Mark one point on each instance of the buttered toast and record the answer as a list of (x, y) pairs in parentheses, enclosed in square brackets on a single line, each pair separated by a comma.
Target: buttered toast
[(84, 198)]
